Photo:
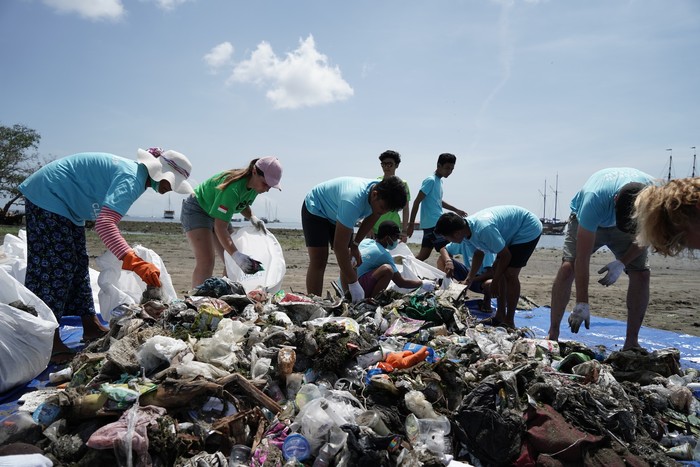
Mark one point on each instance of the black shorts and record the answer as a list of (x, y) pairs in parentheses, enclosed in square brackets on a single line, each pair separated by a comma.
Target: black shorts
[(318, 231), (431, 240), (521, 252)]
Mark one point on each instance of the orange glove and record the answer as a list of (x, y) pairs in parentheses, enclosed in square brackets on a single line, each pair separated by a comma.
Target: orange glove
[(405, 359), (148, 272)]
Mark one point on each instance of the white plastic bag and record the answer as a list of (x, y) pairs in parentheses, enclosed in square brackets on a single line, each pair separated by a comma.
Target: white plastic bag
[(413, 268), (25, 340), (119, 287), (13, 255), (263, 247)]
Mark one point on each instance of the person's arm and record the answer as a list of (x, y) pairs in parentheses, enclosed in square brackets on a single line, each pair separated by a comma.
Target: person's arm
[(224, 236), (585, 239), (448, 206), (106, 228), (404, 223), (414, 211), (341, 242), (477, 260), (405, 283)]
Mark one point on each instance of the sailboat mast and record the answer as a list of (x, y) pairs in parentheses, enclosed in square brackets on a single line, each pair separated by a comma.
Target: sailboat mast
[(670, 163), (694, 157), (544, 202), (556, 196)]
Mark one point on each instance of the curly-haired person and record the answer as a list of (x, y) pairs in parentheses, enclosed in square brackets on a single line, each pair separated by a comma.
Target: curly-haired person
[(668, 216)]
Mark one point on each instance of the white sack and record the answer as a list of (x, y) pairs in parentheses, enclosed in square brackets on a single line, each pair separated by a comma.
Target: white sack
[(264, 248)]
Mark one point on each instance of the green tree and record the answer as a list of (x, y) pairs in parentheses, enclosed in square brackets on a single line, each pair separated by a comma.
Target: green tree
[(18, 160)]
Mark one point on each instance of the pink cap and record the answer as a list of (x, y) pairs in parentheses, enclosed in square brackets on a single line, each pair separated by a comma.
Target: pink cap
[(271, 167)]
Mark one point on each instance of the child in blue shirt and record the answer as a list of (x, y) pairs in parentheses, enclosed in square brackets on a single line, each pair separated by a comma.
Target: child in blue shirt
[(458, 270)]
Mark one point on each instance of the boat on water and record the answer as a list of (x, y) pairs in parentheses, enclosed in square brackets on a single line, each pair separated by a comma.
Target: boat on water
[(553, 225), (169, 213)]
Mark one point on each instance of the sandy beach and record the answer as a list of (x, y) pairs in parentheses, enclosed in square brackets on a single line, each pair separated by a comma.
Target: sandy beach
[(674, 303)]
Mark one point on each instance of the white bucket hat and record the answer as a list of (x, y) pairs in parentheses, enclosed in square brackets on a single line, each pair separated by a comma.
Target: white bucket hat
[(167, 165)]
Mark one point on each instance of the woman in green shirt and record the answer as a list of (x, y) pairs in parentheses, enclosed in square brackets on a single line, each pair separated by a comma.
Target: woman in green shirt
[(206, 214)]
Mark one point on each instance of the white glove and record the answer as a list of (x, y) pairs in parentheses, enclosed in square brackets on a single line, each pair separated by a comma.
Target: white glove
[(247, 264), (614, 270), (258, 224), (427, 285), (581, 314), (356, 292)]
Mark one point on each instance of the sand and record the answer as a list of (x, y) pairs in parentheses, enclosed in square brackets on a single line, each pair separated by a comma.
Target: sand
[(674, 303)]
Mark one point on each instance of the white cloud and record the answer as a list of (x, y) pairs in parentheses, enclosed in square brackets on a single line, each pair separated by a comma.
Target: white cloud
[(219, 56), (90, 9), (302, 79), (169, 4)]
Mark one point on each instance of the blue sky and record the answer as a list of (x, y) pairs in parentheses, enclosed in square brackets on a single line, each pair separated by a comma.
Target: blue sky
[(519, 90)]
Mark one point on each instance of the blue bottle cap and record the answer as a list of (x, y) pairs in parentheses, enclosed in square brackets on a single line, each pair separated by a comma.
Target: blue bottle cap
[(295, 445)]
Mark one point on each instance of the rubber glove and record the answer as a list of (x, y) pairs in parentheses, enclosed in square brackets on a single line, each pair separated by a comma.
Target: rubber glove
[(404, 359), (356, 292), (247, 264), (427, 285), (581, 314), (148, 272), (614, 270), (258, 224)]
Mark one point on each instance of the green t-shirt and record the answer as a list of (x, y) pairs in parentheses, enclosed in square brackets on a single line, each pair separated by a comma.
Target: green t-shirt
[(393, 216), (223, 204)]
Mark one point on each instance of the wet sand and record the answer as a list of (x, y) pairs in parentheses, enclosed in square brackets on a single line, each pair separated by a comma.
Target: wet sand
[(674, 303)]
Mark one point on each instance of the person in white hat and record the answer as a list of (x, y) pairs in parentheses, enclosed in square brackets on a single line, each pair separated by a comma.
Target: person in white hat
[(206, 214), (61, 197)]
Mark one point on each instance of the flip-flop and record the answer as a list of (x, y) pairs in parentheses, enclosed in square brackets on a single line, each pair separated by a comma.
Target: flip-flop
[(492, 321), (61, 357)]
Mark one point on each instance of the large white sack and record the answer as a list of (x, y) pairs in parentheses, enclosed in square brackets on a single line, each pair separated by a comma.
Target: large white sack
[(119, 287), (25, 340), (13, 255), (263, 247)]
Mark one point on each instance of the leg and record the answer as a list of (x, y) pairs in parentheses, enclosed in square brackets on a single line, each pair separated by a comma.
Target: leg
[(219, 249), (383, 276), (318, 259), (486, 289), (637, 301), (561, 293), (202, 244), (512, 293)]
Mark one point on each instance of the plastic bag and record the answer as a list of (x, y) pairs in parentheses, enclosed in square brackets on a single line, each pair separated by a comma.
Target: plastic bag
[(413, 268), (25, 340), (119, 287), (13, 255), (263, 247)]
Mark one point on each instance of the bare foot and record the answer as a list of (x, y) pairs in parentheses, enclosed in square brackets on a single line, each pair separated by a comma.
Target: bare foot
[(92, 328)]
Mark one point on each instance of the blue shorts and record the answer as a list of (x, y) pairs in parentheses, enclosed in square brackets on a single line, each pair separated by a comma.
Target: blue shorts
[(193, 216), (431, 240), (461, 271)]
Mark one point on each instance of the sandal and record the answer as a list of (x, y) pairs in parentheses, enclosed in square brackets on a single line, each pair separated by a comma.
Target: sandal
[(492, 321)]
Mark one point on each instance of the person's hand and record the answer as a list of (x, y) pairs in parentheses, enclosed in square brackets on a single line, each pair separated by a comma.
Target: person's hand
[(614, 270), (449, 268), (355, 255), (258, 224), (247, 264), (357, 293), (403, 359), (581, 314), (427, 285), (148, 272)]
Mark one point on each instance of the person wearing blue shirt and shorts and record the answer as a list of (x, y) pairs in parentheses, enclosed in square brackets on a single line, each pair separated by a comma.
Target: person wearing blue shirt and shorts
[(459, 270), (601, 215), (429, 198), (328, 216), (511, 233)]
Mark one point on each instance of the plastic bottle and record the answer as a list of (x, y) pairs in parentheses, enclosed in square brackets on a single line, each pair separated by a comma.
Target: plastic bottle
[(325, 456)]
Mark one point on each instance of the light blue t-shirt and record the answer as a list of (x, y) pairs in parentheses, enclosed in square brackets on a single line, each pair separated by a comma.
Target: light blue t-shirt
[(594, 204), (467, 251), (78, 186), (343, 199), (431, 206), (373, 255), (500, 226)]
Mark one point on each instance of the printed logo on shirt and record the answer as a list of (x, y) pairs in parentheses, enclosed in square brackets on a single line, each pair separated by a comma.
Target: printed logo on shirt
[(223, 209)]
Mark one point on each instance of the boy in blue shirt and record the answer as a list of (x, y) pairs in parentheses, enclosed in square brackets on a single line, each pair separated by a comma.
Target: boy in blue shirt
[(429, 198), (328, 216), (600, 216), (378, 267), (511, 233)]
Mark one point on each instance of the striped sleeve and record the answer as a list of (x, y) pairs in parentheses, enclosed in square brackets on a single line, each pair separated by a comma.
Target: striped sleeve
[(106, 228)]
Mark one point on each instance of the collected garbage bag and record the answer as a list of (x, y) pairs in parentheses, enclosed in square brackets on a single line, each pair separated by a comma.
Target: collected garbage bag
[(13, 255), (412, 268), (26, 335), (262, 247), (119, 287)]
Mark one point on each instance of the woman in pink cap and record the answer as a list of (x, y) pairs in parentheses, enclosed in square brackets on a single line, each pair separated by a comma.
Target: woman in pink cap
[(206, 214)]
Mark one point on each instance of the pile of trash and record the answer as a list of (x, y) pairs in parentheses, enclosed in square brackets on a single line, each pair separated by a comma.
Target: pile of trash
[(224, 377)]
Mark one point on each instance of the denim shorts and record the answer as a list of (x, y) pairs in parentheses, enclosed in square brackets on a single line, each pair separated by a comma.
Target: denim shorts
[(193, 216)]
